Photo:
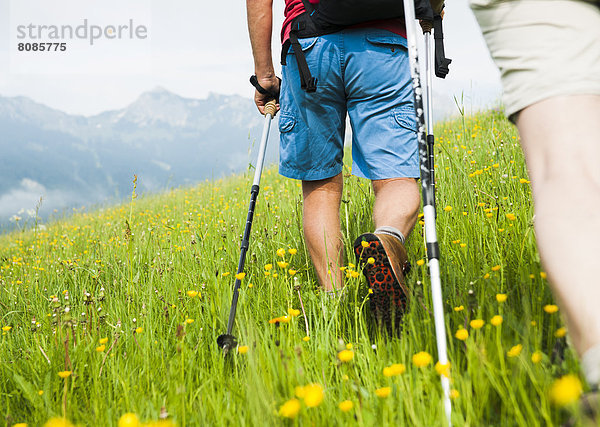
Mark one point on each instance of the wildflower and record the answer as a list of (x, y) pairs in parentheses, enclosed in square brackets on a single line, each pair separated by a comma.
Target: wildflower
[(523, 181), (227, 273), (40, 392), (459, 308), (420, 262), (100, 348), (536, 357), (565, 390), (364, 244), (281, 252), (346, 355), (501, 297), (6, 328), (103, 340), (192, 294), (496, 320), (346, 405), (313, 395), (129, 420), (550, 308), (242, 349), (421, 359), (454, 394), (543, 275), (292, 251), (268, 267), (240, 276), (283, 264), (58, 422), (462, 334), (383, 392), (349, 346), (189, 321), (306, 339), (64, 374), (293, 312), (448, 208), (462, 245), (443, 369), (477, 323), (20, 425), (496, 268), (280, 319), (511, 217), (393, 370), (515, 350), (371, 260), (250, 285), (290, 408), (533, 323), (139, 330), (291, 272), (560, 332)]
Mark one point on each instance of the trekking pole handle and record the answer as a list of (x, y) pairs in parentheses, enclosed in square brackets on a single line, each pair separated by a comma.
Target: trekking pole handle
[(426, 26), (271, 108)]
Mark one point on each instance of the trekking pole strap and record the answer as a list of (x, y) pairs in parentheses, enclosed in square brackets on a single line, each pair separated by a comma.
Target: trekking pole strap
[(441, 62), (262, 90)]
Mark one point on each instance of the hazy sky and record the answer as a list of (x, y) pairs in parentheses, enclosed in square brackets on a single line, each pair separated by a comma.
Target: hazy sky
[(192, 48)]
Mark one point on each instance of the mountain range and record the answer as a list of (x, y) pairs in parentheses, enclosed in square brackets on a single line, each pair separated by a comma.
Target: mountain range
[(165, 139)]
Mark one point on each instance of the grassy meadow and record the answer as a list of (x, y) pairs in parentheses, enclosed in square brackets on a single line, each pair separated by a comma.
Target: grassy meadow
[(117, 310)]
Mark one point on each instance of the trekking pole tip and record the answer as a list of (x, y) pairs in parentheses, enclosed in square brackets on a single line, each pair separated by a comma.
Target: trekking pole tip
[(271, 108)]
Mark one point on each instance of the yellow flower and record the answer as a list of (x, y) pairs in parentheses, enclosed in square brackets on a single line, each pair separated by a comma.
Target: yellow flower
[(421, 359), (349, 346), (306, 339), (536, 357), (393, 370), (293, 312), (346, 355), (443, 369), (550, 308), (291, 272), (459, 308), (448, 208), (496, 320), (64, 374), (243, 349), (511, 217), (462, 334), (486, 276), (280, 319), (292, 251), (477, 323), (6, 328), (129, 420), (313, 395), (281, 252), (565, 390), (454, 394), (283, 264), (560, 332), (543, 275), (268, 267), (189, 321), (383, 392), (139, 330), (240, 276), (371, 260), (496, 268), (20, 425), (346, 405), (103, 340), (299, 391), (40, 392), (501, 297), (227, 273), (290, 408), (364, 244), (100, 348), (192, 294), (420, 262), (515, 350), (58, 422)]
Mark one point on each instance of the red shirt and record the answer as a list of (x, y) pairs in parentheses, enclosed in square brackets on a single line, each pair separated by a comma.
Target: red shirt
[(294, 8)]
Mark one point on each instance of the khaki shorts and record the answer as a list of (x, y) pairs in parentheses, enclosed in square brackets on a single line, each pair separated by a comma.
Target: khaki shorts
[(543, 48)]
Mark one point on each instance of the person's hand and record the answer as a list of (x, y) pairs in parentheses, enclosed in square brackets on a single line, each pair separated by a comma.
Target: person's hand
[(270, 84)]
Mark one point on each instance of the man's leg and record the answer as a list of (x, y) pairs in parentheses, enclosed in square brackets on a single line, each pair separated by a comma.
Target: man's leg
[(561, 140), (322, 231), (397, 203)]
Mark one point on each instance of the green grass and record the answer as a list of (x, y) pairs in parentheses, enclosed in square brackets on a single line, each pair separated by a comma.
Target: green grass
[(131, 266)]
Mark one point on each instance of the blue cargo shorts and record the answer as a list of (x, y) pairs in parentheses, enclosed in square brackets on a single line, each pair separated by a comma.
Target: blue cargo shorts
[(365, 73)]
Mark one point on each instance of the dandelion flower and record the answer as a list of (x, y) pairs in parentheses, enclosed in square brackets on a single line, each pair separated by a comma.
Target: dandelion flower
[(346, 405), (462, 334), (268, 267), (306, 339), (383, 392), (477, 323), (349, 346), (346, 355), (290, 408), (394, 370), (496, 268), (100, 348), (459, 308), (192, 294), (58, 422), (189, 321), (501, 297), (550, 308), (291, 272), (283, 264), (486, 276), (6, 328), (64, 374), (536, 357), (313, 395), (443, 369), (511, 217), (242, 349), (421, 359), (299, 391), (454, 394), (129, 420), (560, 332), (292, 251), (515, 350), (103, 340), (293, 312), (565, 390), (20, 425), (139, 330), (281, 252), (240, 276), (448, 208), (40, 392), (420, 262), (496, 320), (543, 275)]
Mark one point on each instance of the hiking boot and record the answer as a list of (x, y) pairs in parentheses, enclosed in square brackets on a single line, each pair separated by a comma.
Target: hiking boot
[(385, 276)]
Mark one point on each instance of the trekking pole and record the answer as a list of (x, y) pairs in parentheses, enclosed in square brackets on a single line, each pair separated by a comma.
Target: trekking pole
[(429, 103), (433, 251), (227, 341)]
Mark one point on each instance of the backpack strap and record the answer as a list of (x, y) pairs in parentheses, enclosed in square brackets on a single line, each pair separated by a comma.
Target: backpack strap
[(441, 62), (307, 81)]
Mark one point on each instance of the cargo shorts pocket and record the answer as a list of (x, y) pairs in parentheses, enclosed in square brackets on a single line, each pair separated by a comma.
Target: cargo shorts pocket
[(286, 122), (391, 42), (405, 117)]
